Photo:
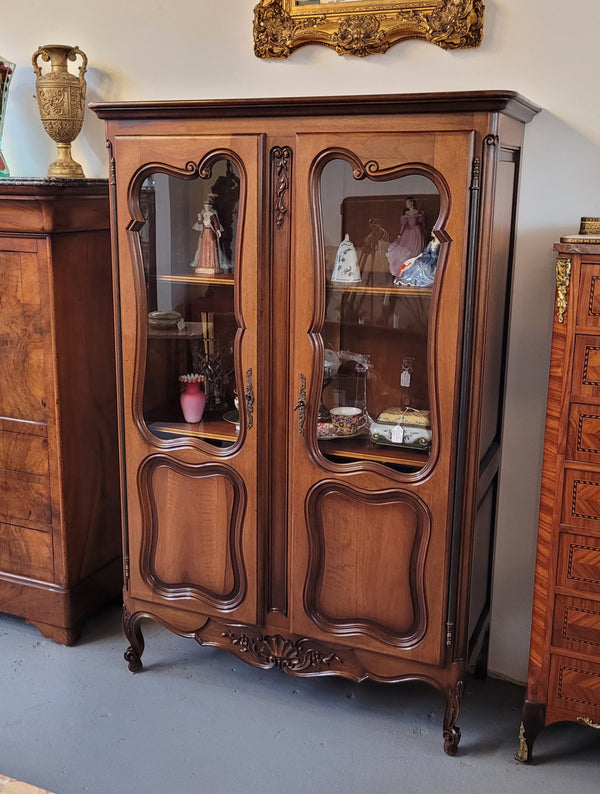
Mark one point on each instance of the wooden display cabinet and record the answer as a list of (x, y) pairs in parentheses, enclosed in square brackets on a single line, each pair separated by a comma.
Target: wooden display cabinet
[(60, 528), (270, 535), (564, 665)]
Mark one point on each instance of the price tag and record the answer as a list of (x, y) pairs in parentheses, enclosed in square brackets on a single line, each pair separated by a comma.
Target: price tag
[(181, 325), (397, 434), (405, 378)]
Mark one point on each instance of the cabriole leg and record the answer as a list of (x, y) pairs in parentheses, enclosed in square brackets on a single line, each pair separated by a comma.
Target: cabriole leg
[(454, 695), (534, 718), (133, 632)]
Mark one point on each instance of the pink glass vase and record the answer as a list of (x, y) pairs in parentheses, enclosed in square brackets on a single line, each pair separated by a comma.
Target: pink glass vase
[(192, 399)]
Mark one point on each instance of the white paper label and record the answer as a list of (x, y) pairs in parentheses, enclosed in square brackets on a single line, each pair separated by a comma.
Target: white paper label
[(397, 434), (405, 378)]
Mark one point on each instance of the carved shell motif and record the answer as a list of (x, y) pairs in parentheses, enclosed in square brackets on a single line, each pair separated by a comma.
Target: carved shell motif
[(276, 651)]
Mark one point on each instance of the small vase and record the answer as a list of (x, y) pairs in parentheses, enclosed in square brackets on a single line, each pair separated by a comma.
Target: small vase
[(192, 399), (6, 73), (61, 100)]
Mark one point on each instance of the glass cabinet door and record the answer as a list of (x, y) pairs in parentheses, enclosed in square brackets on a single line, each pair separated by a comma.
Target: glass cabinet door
[(189, 251), (381, 250)]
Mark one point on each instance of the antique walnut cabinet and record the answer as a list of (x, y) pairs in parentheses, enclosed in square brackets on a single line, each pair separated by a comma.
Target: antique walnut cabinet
[(360, 548), (564, 659), (60, 528)]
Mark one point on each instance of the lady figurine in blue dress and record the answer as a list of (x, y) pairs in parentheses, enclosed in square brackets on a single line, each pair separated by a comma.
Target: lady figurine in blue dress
[(419, 271)]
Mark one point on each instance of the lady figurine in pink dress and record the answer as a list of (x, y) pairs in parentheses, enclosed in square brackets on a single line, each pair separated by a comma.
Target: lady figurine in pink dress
[(206, 259), (411, 240)]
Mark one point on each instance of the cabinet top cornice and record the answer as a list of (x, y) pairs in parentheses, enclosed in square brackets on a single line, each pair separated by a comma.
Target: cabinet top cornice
[(509, 103)]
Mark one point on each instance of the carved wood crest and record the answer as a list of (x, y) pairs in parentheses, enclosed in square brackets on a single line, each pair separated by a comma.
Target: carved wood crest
[(364, 27)]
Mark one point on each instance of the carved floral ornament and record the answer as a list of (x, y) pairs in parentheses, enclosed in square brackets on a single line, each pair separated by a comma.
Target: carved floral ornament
[(364, 27)]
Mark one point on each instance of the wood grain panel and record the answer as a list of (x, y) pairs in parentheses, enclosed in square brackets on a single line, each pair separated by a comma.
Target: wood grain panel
[(550, 507), (579, 563), (575, 686), (577, 625), (25, 453), (366, 563), (23, 328), (192, 538), (583, 433), (24, 497), (588, 307), (26, 552), (581, 503)]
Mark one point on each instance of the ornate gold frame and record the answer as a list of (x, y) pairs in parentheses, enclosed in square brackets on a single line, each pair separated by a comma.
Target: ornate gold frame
[(364, 27)]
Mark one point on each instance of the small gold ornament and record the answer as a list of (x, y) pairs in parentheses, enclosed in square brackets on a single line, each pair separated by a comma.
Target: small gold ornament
[(61, 100)]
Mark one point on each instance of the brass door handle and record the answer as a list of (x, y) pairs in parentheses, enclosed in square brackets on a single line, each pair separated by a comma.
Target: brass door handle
[(301, 404), (249, 398)]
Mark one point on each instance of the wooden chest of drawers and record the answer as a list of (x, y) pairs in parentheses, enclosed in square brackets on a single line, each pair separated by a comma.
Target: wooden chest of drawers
[(564, 664), (59, 505)]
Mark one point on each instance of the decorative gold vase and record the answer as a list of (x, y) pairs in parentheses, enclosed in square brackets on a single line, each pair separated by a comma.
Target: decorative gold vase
[(61, 100)]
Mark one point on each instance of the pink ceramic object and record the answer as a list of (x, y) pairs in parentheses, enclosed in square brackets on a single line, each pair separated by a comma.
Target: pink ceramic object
[(192, 399)]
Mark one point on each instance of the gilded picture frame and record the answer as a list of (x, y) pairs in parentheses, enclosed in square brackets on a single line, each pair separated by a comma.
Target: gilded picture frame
[(364, 27)]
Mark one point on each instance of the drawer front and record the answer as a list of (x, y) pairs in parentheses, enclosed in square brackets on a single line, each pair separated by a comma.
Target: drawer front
[(26, 552), (586, 367), (575, 687), (25, 453), (579, 563), (588, 310), (25, 498), (577, 625), (583, 434), (581, 499)]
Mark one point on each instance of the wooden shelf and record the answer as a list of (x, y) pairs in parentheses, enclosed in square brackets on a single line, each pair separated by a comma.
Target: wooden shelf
[(404, 292), (221, 280), (359, 449), (213, 429)]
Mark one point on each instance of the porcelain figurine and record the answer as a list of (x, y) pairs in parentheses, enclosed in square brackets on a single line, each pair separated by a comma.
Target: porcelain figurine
[(345, 268)]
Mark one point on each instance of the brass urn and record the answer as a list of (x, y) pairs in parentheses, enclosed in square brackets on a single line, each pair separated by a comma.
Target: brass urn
[(61, 100)]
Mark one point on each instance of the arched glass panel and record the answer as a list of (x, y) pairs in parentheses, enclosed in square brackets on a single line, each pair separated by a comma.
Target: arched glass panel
[(381, 255), (188, 247)]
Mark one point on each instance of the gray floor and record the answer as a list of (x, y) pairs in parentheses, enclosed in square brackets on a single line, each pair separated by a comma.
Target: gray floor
[(198, 721)]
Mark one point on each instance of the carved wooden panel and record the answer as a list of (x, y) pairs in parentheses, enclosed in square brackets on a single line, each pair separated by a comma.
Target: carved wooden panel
[(586, 366), (581, 501), (588, 309), (192, 544), (575, 686), (579, 563), (577, 625), (26, 552), (367, 554), (583, 434)]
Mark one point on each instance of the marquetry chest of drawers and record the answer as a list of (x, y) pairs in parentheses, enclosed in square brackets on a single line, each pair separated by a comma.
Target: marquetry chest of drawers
[(60, 523), (564, 664)]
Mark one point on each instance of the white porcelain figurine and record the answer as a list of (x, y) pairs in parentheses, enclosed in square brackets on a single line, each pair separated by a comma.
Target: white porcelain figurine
[(345, 268)]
